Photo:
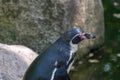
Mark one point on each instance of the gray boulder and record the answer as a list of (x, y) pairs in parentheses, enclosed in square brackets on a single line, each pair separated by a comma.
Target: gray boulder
[(38, 23), (14, 60)]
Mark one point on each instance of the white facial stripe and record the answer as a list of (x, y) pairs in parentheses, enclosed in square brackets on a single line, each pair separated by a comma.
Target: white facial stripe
[(74, 37), (74, 48), (78, 30)]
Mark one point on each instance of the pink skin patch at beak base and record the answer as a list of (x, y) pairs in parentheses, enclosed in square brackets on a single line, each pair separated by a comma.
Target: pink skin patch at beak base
[(82, 35)]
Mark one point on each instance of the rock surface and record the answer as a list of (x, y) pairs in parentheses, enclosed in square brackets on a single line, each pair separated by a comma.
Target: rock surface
[(14, 60), (38, 23)]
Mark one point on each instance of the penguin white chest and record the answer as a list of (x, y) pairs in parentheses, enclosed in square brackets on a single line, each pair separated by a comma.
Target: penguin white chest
[(70, 61)]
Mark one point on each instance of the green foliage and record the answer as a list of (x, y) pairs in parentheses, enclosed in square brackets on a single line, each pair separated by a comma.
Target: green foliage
[(112, 27), (110, 68)]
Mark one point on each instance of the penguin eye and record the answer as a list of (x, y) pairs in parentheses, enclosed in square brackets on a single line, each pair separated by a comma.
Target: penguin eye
[(76, 40)]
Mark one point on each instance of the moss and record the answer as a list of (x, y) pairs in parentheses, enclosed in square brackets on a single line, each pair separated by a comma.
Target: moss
[(5, 1), (15, 1), (13, 31), (8, 33), (11, 10), (9, 1)]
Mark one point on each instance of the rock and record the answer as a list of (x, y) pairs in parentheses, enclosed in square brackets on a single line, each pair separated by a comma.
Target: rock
[(14, 60), (38, 23), (89, 16)]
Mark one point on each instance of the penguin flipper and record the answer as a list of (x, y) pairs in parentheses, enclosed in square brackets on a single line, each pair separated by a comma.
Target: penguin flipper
[(61, 74)]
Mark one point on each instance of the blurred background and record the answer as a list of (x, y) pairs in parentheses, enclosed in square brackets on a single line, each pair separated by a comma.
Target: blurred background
[(37, 24), (110, 63), (109, 66)]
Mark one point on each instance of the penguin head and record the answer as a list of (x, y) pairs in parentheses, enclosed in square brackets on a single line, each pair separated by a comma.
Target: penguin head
[(75, 36)]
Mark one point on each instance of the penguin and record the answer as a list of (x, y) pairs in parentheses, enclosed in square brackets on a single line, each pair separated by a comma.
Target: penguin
[(55, 62)]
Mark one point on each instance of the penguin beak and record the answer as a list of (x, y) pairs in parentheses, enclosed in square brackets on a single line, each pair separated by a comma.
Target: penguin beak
[(87, 35)]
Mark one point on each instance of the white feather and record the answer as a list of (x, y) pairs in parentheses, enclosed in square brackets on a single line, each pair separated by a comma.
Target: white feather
[(74, 48)]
